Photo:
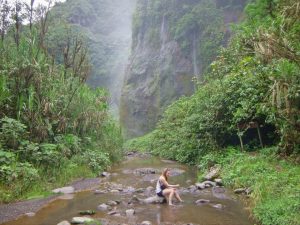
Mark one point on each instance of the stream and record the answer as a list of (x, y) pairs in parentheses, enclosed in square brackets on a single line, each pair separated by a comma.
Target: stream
[(137, 175)]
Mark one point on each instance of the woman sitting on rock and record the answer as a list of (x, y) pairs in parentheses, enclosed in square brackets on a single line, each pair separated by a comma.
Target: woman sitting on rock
[(164, 189)]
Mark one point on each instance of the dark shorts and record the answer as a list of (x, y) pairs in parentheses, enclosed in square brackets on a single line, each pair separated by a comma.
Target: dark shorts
[(160, 194)]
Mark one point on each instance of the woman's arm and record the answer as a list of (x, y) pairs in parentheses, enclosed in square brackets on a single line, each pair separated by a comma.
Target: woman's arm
[(165, 183)]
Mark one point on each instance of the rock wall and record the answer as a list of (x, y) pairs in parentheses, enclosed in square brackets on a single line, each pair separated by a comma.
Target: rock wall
[(173, 42)]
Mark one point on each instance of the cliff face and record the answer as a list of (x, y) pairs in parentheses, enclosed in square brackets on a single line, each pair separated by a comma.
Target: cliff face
[(173, 42)]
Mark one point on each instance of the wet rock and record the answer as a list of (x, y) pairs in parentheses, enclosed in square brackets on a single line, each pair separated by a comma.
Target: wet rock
[(64, 190), (87, 212), (146, 223), (113, 212), (239, 190), (129, 190), (140, 190), (30, 214), (144, 171), (218, 190), (202, 201), (192, 188), (200, 186), (103, 207), (81, 220), (114, 191), (130, 212), (209, 183), (219, 181), (185, 190), (65, 222), (214, 172), (99, 192), (151, 200), (206, 185), (112, 203), (188, 181), (218, 206), (105, 174)]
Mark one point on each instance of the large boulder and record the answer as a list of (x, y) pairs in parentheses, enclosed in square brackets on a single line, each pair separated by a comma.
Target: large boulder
[(150, 200), (213, 173)]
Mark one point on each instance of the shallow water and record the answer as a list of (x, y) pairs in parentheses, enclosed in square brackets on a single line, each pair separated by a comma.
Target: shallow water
[(232, 211)]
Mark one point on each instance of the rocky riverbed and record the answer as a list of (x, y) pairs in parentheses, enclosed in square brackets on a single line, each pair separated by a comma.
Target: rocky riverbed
[(126, 195)]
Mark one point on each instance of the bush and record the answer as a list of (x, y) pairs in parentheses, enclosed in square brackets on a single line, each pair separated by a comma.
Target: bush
[(12, 131)]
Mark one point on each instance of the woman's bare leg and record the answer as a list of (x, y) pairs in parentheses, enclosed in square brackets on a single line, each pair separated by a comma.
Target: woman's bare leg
[(177, 196), (171, 197), (168, 193)]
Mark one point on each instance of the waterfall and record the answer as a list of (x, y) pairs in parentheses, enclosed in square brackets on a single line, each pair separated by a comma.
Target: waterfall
[(194, 56), (163, 32)]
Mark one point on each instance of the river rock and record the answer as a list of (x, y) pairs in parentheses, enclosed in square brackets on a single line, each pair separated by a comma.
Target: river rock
[(99, 192), (146, 223), (112, 203), (130, 212), (140, 190), (202, 201), (114, 191), (209, 183), (105, 174), (218, 181), (150, 200), (239, 190), (200, 185), (144, 171), (192, 188), (81, 220), (113, 212), (129, 190), (87, 212), (218, 206), (214, 172), (65, 222), (64, 190), (103, 207)]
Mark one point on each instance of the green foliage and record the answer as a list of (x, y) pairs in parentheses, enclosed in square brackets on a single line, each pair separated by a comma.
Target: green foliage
[(142, 143), (12, 131), (49, 116), (275, 184)]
